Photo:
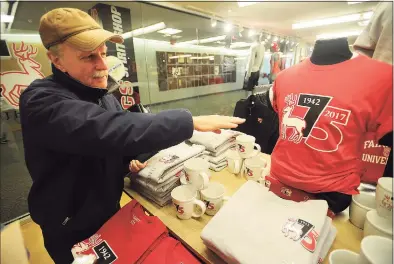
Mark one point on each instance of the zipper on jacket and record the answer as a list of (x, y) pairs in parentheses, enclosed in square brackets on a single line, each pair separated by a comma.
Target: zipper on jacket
[(151, 248)]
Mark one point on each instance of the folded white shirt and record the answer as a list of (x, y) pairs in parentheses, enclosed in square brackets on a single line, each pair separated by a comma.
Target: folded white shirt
[(213, 141), (223, 149), (167, 160), (159, 187), (327, 244), (256, 226), (218, 167), (216, 160)]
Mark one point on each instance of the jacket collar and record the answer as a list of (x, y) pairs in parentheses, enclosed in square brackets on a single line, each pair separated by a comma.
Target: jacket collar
[(77, 87)]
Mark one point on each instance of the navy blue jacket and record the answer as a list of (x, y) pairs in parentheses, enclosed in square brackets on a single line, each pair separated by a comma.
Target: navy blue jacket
[(75, 139)]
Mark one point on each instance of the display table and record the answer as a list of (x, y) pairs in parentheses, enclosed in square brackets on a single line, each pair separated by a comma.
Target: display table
[(188, 231)]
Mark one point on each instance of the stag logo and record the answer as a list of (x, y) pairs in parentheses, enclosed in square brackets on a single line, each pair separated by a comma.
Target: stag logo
[(296, 123), (14, 82)]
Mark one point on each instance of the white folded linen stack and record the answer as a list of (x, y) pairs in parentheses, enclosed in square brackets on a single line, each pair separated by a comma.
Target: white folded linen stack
[(163, 171), (216, 145), (256, 226)]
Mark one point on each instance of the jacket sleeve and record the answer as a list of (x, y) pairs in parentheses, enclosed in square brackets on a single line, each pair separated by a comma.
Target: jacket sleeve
[(78, 127)]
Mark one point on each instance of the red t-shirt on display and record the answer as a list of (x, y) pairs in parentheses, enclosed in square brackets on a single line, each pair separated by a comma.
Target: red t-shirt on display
[(324, 112)]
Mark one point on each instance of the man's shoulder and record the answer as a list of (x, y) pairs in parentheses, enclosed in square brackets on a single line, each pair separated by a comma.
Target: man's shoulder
[(43, 89)]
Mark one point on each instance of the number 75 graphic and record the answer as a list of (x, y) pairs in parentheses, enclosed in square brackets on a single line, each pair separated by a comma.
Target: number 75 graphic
[(323, 122)]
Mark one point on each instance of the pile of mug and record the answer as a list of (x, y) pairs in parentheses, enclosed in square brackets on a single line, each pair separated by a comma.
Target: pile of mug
[(197, 195), (374, 214), (244, 160)]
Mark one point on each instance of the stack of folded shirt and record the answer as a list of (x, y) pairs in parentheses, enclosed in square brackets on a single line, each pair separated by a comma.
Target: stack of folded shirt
[(215, 163), (161, 175), (256, 226), (216, 145)]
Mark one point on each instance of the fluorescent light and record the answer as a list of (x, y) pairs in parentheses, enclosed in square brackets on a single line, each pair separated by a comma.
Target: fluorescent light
[(228, 27), (358, 2), (212, 39), (367, 15), (251, 33), (6, 18), (332, 20), (202, 41), (144, 30), (213, 22), (180, 56), (22, 37), (176, 37), (245, 3), (240, 45), (170, 31), (338, 35), (363, 23)]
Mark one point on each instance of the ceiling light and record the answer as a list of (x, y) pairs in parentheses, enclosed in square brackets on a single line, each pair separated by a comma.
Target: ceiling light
[(363, 23), (6, 18), (202, 41), (176, 37), (367, 15), (242, 3), (240, 45), (228, 27), (332, 20), (251, 33), (170, 31), (166, 35), (144, 30), (213, 22), (338, 35), (353, 3), (21, 37), (180, 56), (212, 39)]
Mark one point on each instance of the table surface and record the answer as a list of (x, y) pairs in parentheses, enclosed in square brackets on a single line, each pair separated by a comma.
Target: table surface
[(188, 231)]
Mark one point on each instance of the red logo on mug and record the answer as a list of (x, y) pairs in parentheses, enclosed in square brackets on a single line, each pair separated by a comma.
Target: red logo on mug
[(249, 172), (179, 208), (241, 148)]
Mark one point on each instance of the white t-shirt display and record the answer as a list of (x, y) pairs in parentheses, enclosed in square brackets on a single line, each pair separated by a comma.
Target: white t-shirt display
[(256, 226)]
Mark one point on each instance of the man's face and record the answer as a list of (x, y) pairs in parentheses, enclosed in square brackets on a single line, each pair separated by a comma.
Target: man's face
[(90, 68)]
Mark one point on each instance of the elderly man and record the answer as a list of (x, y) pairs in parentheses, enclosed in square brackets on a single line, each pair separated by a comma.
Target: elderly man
[(76, 136)]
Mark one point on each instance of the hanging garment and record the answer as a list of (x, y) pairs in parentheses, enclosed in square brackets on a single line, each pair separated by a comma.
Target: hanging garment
[(261, 121)]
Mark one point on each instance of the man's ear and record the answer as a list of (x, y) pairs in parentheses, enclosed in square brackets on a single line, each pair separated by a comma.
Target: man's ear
[(55, 59)]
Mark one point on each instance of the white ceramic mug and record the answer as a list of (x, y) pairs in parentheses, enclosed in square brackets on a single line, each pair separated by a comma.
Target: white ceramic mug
[(213, 197), (377, 225), (196, 172), (342, 256), (384, 197), (253, 168), (359, 207), (185, 202), (376, 250), (245, 146), (234, 161)]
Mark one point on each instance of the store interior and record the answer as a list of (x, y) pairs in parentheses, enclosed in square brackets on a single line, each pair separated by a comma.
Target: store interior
[(193, 55)]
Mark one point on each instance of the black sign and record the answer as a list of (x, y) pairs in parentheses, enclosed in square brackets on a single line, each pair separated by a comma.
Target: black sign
[(118, 20), (104, 253)]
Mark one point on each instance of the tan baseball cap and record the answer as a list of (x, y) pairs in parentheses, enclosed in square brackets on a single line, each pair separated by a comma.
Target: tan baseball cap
[(74, 27)]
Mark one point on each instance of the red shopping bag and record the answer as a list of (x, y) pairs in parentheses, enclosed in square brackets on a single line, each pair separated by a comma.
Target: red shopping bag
[(374, 159), (131, 236)]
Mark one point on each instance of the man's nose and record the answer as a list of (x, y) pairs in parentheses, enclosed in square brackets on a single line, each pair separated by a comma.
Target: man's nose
[(101, 63)]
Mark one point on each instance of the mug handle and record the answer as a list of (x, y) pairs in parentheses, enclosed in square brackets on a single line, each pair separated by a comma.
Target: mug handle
[(202, 207), (258, 147), (237, 165), (205, 179)]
